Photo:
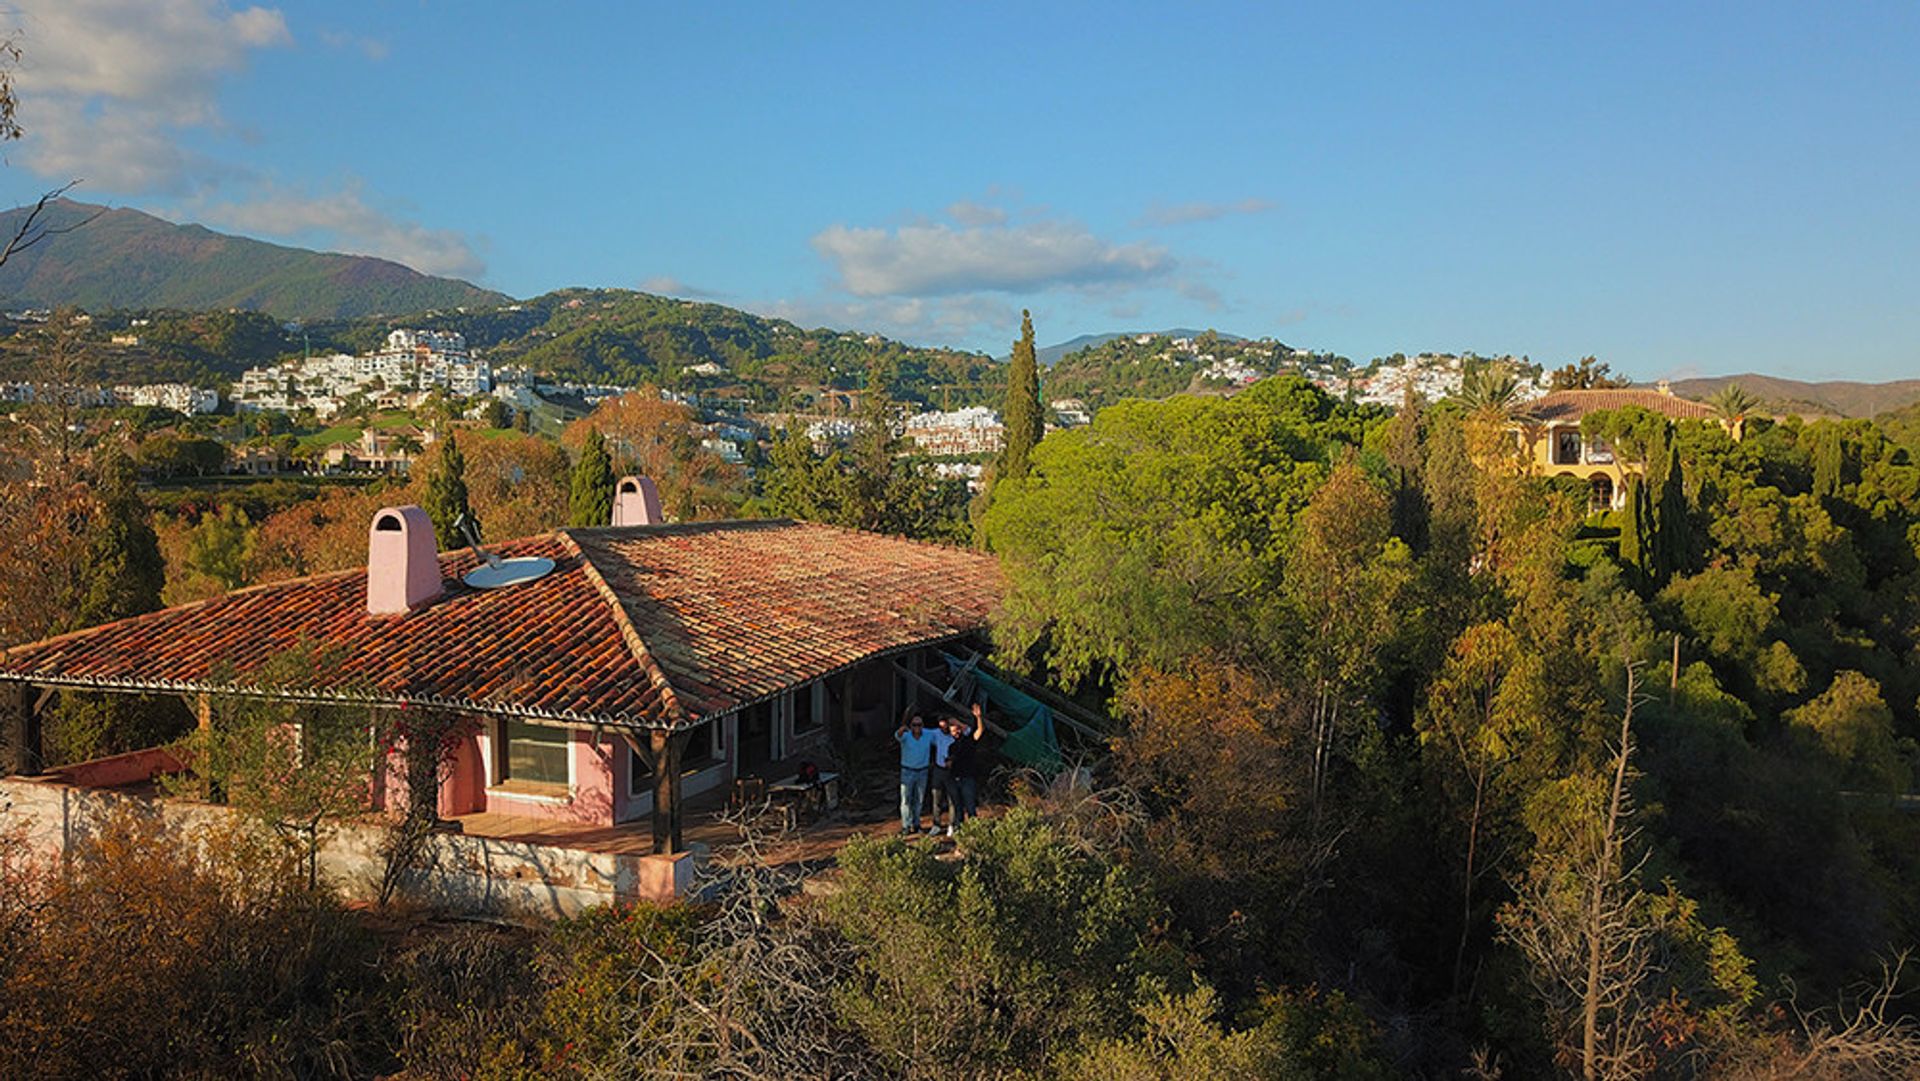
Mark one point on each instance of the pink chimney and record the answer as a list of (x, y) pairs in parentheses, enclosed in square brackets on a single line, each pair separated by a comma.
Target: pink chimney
[(636, 501), (403, 561)]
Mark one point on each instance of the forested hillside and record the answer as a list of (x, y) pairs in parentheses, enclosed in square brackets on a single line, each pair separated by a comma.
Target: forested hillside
[(122, 258), (1406, 721), (582, 335), (1157, 365), (1418, 768)]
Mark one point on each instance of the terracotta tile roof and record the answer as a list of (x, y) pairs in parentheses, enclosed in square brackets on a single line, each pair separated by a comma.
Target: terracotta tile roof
[(658, 626), (1568, 406)]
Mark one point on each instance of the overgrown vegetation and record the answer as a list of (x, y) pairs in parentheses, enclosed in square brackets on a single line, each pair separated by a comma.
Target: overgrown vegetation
[(1423, 771)]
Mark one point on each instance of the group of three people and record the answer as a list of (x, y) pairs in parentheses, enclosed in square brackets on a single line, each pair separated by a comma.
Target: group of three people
[(939, 762)]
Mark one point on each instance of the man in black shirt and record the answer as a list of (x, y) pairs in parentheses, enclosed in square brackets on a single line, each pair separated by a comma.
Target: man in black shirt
[(963, 789)]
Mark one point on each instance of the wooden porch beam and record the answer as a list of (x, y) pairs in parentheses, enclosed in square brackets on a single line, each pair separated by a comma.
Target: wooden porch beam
[(938, 692), (640, 750), (667, 747), (26, 755)]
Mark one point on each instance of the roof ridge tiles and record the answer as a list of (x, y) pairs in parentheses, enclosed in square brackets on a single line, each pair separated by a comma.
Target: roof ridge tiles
[(636, 644)]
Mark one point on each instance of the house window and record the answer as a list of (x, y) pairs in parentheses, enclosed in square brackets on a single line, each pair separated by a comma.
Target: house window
[(1566, 447), (534, 754), (703, 749), (808, 707), (1599, 453)]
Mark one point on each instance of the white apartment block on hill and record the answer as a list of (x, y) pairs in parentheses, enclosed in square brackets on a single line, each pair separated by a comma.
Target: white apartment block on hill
[(413, 361), (975, 430)]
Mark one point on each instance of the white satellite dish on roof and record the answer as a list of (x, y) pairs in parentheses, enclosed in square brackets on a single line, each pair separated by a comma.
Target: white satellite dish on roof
[(507, 572), (494, 572)]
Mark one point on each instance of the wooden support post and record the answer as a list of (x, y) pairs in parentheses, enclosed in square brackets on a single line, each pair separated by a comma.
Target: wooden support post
[(210, 787), (1673, 679), (667, 748), (640, 750), (26, 755)]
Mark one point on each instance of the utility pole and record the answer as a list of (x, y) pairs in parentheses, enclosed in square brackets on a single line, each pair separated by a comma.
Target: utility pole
[(1673, 679)]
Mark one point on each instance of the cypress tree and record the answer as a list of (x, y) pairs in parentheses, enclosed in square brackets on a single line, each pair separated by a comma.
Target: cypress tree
[(1633, 527), (1024, 422), (124, 571), (591, 503), (1670, 514), (445, 499), (1829, 458)]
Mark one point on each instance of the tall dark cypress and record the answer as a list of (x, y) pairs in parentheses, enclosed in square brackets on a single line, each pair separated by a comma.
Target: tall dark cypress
[(1025, 423), (591, 500), (1670, 513), (1633, 526), (445, 500)]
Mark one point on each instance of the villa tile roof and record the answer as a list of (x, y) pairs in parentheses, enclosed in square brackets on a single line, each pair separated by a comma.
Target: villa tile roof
[(1568, 406), (650, 627)]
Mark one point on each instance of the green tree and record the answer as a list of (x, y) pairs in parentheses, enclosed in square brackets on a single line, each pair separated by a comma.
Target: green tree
[(445, 500), (1851, 722), (124, 572), (1491, 394), (1346, 589), (221, 547), (1025, 422), (591, 501), (1671, 545), (1589, 374), (1480, 708), (1159, 532), (1040, 942)]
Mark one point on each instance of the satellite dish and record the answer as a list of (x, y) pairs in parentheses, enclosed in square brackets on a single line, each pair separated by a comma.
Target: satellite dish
[(494, 572), (506, 572)]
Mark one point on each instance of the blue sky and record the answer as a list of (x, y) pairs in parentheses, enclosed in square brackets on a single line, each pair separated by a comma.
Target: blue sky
[(1699, 189)]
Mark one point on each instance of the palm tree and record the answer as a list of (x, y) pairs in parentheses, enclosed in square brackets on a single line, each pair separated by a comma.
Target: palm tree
[(1495, 432), (1733, 403), (1490, 393)]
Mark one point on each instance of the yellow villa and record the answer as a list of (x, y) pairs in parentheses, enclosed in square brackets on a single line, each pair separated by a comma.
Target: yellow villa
[(1550, 430)]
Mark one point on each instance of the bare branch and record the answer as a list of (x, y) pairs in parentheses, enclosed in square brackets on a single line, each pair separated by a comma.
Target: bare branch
[(31, 230)]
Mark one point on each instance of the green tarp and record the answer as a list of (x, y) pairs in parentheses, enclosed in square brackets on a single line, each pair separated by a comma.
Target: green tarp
[(1033, 743)]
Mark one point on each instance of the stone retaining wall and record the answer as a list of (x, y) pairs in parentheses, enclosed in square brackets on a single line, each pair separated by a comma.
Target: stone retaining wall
[(470, 875)]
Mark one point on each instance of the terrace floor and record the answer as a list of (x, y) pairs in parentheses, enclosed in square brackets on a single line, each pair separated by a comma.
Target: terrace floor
[(707, 831)]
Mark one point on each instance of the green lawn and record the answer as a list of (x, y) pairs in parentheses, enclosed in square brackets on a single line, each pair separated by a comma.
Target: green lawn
[(328, 437)]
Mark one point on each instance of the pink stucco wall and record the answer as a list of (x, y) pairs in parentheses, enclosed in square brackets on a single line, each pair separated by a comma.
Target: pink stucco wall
[(592, 787), (468, 788)]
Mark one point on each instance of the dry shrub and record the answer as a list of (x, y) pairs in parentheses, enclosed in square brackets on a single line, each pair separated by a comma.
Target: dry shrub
[(154, 952)]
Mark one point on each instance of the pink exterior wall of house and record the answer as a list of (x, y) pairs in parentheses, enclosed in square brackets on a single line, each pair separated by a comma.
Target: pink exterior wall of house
[(592, 787)]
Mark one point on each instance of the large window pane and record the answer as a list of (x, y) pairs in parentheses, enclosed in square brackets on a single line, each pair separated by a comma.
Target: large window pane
[(536, 754)]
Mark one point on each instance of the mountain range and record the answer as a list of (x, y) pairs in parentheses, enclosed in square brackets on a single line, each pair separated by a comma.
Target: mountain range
[(1830, 397), (123, 258), (119, 258)]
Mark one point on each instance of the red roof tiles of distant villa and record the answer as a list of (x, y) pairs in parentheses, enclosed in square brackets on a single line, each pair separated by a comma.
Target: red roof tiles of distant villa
[(651, 627), (1568, 406)]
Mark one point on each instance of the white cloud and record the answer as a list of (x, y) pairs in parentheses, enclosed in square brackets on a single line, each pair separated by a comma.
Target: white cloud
[(375, 49), (1196, 290), (933, 260), (968, 212), (106, 86), (109, 89), (1188, 213), (346, 221)]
